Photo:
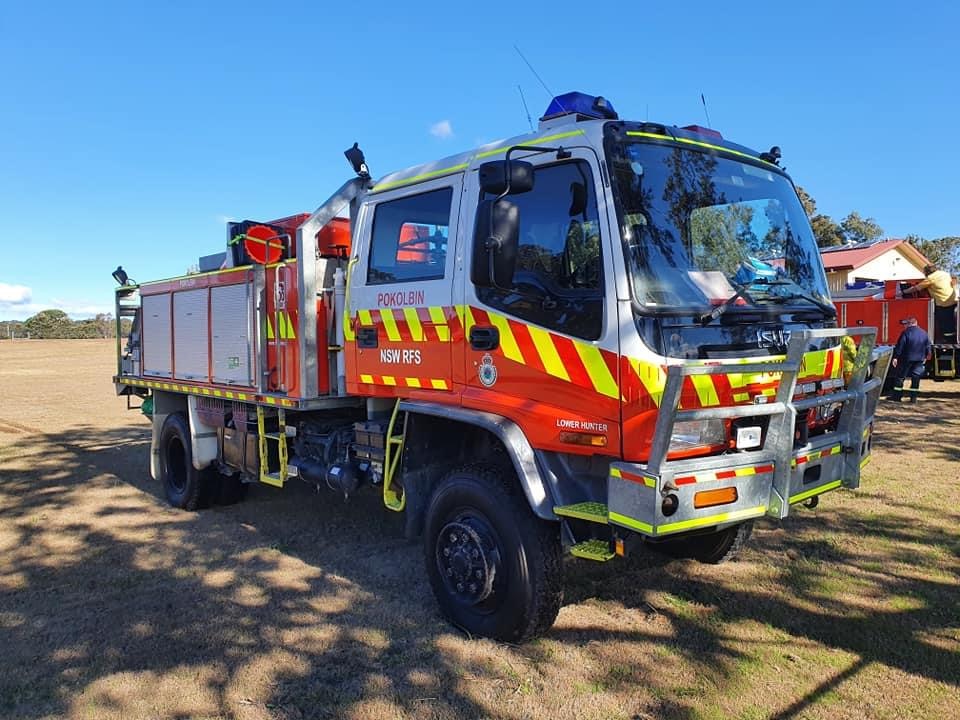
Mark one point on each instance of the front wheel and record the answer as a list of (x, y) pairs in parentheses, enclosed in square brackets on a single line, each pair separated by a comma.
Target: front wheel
[(494, 567)]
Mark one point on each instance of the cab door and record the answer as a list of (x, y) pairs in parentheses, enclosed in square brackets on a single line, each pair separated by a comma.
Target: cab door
[(400, 306), (544, 351)]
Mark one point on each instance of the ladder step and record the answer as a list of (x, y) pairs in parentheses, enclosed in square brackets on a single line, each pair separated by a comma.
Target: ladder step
[(598, 550), (591, 511), (271, 479)]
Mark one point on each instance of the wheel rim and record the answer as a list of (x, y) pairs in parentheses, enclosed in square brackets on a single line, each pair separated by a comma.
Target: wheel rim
[(176, 465), (468, 558)]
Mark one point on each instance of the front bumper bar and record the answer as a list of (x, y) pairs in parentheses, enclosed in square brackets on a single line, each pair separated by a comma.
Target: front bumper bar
[(767, 481)]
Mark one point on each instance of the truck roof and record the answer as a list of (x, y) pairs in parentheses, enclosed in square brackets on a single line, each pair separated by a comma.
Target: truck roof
[(563, 131)]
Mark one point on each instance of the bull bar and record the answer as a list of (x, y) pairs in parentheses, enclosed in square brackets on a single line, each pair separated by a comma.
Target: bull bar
[(769, 480)]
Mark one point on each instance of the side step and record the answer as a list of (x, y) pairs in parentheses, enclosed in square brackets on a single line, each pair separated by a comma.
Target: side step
[(590, 511), (598, 550)]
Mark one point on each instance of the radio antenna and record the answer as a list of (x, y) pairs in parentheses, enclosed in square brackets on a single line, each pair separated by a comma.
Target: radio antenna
[(534, 71), (525, 108), (705, 112)]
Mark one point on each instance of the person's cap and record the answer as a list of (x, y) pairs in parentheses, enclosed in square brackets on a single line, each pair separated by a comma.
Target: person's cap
[(911, 320)]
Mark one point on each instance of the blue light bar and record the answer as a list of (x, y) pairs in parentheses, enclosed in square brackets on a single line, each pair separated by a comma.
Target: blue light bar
[(578, 103)]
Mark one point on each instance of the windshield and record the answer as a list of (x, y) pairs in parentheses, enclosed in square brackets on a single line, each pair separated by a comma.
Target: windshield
[(699, 229)]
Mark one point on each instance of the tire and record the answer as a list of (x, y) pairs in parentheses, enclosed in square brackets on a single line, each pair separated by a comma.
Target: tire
[(186, 487), (712, 548), (494, 567)]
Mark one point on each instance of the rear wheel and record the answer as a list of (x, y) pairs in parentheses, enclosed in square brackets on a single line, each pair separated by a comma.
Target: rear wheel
[(186, 487), (494, 567), (712, 548)]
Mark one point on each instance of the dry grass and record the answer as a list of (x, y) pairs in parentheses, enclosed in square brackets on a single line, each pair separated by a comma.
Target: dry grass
[(294, 605)]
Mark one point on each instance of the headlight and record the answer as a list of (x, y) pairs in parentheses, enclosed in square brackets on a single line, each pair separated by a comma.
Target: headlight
[(691, 434)]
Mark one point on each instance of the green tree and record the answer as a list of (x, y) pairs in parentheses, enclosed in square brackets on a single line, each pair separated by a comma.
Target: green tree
[(825, 230), (49, 324), (943, 252), (858, 229)]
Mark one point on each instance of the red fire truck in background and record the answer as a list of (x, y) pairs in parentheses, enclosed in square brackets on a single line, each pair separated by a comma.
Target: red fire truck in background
[(883, 305), (602, 334)]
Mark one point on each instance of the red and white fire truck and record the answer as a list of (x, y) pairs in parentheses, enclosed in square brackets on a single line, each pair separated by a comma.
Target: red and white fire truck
[(884, 306), (602, 334)]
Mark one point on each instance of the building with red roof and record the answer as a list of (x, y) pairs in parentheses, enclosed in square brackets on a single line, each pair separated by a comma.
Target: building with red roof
[(890, 259)]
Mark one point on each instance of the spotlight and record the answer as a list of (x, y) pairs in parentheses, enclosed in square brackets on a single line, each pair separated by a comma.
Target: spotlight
[(120, 275)]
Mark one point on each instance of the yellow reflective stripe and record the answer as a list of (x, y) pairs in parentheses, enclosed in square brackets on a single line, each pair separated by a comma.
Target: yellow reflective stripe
[(291, 334), (439, 319), (366, 318), (419, 178), (413, 382), (712, 520), (508, 343), (816, 491), (630, 522), (439, 384), (348, 335), (741, 397), (366, 379), (467, 319), (864, 462), (743, 472), (706, 392), (389, 380), (413, 322), (835, 450), (548, 353), (603, 382), (535, 141), (615, 472), (270, 335), (698, 143), (652, 377), (389, 324)]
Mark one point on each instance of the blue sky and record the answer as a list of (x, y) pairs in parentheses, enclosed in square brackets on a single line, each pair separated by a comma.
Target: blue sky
[(130, 132)]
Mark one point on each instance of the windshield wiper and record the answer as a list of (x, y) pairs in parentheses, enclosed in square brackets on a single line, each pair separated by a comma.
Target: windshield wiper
[(827, 308), (800, 294), (720, 309)]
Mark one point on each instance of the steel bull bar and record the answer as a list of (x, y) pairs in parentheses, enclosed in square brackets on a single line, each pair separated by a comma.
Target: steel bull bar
[(658, 498)]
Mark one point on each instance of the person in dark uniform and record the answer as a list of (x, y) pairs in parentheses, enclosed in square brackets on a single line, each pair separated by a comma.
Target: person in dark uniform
[(909, 358)]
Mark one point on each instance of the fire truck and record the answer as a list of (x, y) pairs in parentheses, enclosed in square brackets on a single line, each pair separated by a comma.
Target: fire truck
[(601, 335), (884, 306)]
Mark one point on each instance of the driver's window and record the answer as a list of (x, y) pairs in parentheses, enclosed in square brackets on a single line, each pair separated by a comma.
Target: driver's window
[(558, 282)]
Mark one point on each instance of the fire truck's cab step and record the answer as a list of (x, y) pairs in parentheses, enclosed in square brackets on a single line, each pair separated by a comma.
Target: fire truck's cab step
[(594, 549), (595, 512)]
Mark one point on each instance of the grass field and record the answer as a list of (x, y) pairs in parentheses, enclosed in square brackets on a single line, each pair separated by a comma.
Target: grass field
[(296, 605)]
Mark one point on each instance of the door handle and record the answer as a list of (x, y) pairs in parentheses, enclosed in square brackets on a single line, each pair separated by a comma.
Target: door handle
[(367, 337), (484, 338)]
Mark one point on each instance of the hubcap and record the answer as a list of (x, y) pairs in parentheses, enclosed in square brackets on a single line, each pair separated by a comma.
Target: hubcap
[(467, 558)]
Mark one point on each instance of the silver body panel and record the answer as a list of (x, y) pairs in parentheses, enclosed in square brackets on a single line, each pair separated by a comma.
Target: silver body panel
[(231, 329), (190, 332), (157, 360)]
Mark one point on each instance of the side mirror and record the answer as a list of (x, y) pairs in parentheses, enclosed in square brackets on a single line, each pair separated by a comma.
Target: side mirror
[(494, 177), (496, 237)]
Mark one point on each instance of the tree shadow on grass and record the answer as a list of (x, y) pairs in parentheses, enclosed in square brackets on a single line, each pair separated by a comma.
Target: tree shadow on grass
[(295, 605)]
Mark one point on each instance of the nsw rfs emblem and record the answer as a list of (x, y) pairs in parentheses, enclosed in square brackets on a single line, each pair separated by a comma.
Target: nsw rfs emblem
[(487, 371)]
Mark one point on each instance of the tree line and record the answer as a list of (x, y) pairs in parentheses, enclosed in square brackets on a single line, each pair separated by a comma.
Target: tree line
[(57, 325), (944, 252)]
